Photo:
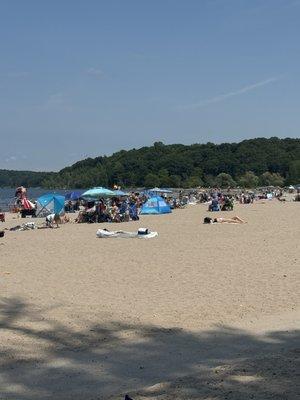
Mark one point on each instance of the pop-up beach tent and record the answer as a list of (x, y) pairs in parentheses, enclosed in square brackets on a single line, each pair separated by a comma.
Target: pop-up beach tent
[(49, 203), (155, 205)]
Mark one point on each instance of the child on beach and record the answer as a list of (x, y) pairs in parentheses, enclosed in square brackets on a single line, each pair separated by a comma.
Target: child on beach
[(56, 219)]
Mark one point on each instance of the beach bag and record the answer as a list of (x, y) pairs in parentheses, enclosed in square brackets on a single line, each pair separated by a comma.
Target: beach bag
[(143, 231)]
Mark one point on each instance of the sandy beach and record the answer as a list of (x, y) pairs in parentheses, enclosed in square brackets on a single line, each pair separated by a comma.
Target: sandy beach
[(200, 312)]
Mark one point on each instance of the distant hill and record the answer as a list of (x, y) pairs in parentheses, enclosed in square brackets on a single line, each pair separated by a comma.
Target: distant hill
[(10, 178), (248, 163)]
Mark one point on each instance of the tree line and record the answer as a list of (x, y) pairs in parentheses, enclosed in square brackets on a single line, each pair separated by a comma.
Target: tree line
[(250, 163), (9, 178)]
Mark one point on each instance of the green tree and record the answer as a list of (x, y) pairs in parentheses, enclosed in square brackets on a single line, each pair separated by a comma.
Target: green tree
[(271, 179), (209, 180), (175, 181), (151, 180), (197, 171), (224, 180), (294, 171), (158, 145), (117, 173), (248, 180), (164, 179), (193, 182)]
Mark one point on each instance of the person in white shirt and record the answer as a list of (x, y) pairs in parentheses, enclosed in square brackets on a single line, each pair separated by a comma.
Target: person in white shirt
[(53, 219)]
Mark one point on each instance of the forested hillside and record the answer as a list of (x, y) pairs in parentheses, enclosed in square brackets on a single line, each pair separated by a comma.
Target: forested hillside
[(10, 178), (248, 163)]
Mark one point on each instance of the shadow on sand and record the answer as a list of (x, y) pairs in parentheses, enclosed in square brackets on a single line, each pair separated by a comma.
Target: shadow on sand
[(43, 359)]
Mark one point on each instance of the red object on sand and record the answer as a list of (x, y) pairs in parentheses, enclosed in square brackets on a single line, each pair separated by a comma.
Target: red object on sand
[(26, 204)]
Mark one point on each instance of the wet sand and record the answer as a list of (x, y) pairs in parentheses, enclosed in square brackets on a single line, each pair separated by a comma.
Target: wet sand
[(200, 312)]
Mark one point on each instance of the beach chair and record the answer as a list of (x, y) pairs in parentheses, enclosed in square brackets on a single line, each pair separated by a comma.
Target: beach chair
[(91, 218)]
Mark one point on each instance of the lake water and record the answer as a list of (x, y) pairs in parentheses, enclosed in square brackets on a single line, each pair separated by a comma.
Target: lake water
[(7, 195)]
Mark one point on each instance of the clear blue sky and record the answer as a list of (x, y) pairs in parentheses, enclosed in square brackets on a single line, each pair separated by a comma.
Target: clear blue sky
[(86, 78)]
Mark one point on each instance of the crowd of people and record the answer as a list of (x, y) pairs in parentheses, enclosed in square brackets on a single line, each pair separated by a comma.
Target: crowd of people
[(117, 209), (127, 207)]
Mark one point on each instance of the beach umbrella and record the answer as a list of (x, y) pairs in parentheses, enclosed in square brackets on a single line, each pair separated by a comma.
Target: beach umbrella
[(98, 192), (73, 195), (160, 190), (119, 193)]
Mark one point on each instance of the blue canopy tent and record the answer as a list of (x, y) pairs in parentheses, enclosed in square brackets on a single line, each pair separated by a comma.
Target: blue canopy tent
[(155, 205), (50, 203)]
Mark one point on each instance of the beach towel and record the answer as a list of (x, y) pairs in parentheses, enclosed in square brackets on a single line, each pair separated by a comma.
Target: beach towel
[(142, 233), (24, 227)]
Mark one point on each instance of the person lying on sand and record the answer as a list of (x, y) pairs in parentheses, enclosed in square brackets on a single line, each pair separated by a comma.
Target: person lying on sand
[(233, 220)]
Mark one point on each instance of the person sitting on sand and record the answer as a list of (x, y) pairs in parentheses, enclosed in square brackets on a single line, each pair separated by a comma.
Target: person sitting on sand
[(133, 211), (227, 204), (2, 216), (297, 197), (87, 213), (114, 213), (214, 205), (53, 219), (233, 220)]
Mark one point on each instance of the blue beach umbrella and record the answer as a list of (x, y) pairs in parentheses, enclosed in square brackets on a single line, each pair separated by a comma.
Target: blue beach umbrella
[(98, 192), (73, 195)]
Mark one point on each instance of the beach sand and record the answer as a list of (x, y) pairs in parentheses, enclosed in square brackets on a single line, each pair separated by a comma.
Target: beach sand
[(200, 312)]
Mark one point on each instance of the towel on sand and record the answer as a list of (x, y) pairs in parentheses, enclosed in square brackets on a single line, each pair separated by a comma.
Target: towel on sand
[(142, 233)]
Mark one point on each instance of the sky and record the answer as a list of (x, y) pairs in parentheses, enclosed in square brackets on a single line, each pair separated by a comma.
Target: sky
[(89, 77)]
